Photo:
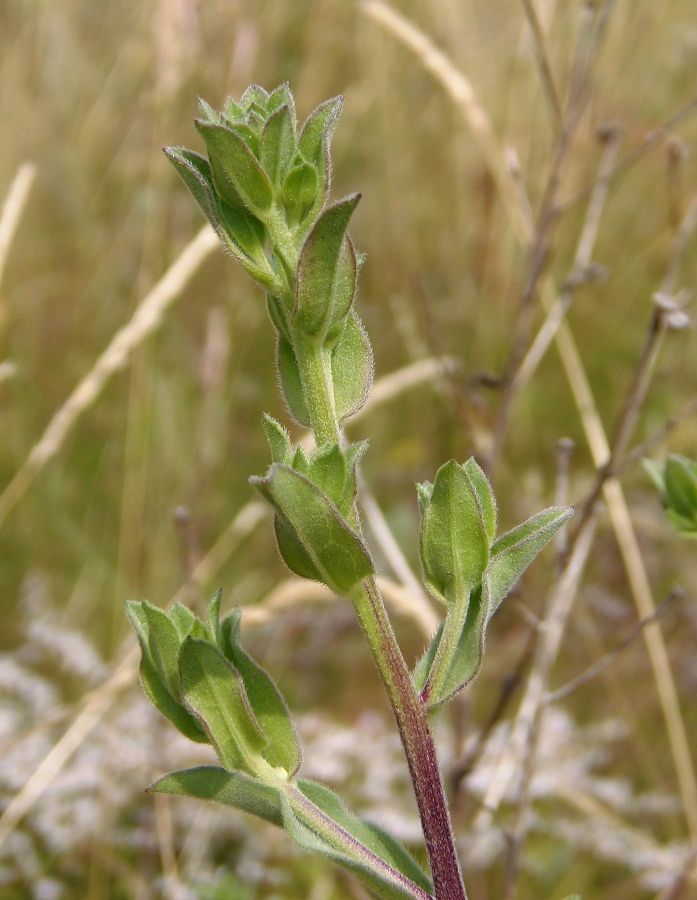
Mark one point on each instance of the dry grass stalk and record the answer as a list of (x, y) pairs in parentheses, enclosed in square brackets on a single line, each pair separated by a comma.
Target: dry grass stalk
[(13, 207)]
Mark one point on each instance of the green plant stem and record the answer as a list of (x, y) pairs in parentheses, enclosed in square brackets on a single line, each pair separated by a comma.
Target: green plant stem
[(310, 815), (314, 364), (410, 713)]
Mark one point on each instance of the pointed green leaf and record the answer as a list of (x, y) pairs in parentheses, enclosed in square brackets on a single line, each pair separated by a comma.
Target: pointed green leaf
[(236, 171), (241, 233), (300, 461), (424, 492), (326, 276), (277, 144), (314, 143), (318, 128), (336, 552), (328, 471), (465, 659), (681, 485), (280, 96), (195, 172), (299, 191), (352, 368), (278, 439), (214, 616), (512, 553), (454, 544), (484, 496), (156, 691), (208, 114), (164, 642), (277, 314), (186, 622), (370, 836), (382, 879), (229, 788), (233, 111), (292, 551), (250, 132), (254, 94), (291, 385), (268, 704), (214, 693), (245, 230), (153, 681)]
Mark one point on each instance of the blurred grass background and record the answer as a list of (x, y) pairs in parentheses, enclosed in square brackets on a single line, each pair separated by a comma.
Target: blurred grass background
[(88, 94)]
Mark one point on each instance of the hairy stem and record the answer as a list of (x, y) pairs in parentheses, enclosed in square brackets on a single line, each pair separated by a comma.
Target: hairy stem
[(411, 716), (410, 713)]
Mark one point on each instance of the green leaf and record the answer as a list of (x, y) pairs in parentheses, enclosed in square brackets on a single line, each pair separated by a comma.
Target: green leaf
[(484, 495), (423, 666), (186, 622), (277, 314), (292, 551), (339, 846), (241, 233), (214, 616), (153, 682), (314, 143), (164, 642), (465, 660), (278, 439), (680, 476), (245, 230), (424, 492), (352, 368), (318, 128), (229, 788), (333, 553), (194, 170), (267, 702), (371, 836), (289, 377), (326, 274), (512, 553), (236, 171), (255, 94), (299, 191), (278, 97), (208, 114), (277, 144), (233, 111), (214, 693), (454, 543), (327, 469)]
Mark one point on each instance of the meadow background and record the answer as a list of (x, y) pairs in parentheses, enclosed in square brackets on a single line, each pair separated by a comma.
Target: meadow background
[(136, 486)]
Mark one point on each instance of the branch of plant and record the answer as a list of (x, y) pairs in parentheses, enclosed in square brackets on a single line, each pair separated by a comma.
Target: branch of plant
[(409, 711), (524, 363), (543, 63), (461, 91), (600, 665)]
